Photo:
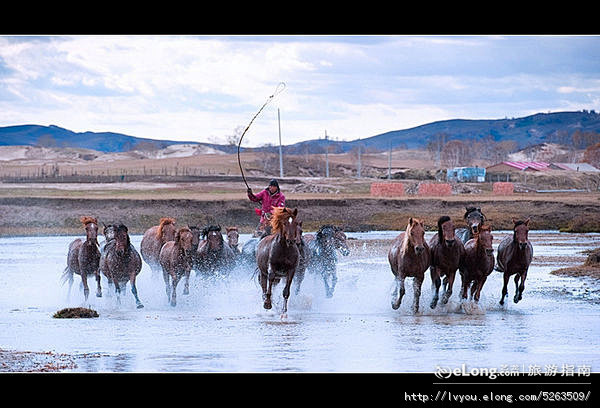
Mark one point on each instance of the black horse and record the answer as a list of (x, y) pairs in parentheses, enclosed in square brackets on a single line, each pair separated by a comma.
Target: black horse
[(474, 219), (322, 257)]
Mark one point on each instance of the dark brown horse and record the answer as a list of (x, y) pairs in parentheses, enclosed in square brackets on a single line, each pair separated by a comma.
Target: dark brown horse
[(121, 263), (478, 262), (214, 257), (277, 255), (409, 256), (474, 219), (514, 257), (446, 255), (153, 240), (176, 262), (233, 237), (83, 257)]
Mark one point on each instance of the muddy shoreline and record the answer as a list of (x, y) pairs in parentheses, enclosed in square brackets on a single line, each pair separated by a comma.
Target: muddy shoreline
[(60, 216)]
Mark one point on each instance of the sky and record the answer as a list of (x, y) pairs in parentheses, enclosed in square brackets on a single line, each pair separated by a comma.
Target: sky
[(208, 88)]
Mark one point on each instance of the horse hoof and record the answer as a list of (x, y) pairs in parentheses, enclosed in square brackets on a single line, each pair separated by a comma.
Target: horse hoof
[(98, 294), (284, 316), (140, 306), (433, 304), (267, 305), (186, 292), (395, 305)]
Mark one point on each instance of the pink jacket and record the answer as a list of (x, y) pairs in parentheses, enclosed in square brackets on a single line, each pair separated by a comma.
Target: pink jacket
[(268, 201)]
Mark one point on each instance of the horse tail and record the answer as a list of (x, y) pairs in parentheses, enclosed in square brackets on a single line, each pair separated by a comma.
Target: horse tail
[(67, 275)]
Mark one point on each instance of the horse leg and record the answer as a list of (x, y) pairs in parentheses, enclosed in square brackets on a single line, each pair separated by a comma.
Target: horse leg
[(263, 284), (299, 280), (175, 280), (398, 292), (325, 276), (166, 278), (86, 289), (504, 288), (98, 288), (286, 292), (448, 284), (417, 282), (186, 287), (435, 286), (139, 304), (269, 282), (333, 283), (521, 288), (479, 287), (117, 290)]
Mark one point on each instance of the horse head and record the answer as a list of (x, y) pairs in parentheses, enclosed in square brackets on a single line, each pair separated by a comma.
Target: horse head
[(521, 230), (415, 233), (233, 236), (446, 231), (474, 218), (108, 231), (485, 238), (196, 231), (340, 241), (184, 239), (121, 239), (166, 230), (213, 237), (285, 223), (91, 227)]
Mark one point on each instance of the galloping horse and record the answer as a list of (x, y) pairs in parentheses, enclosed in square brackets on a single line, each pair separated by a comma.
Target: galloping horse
[(120, 262), (277, 255), (474, 219), (409, 256), (83, 257), (323, 258), (233, 237), (478, 262), (176, 261), (153, 240), (446, 254), (514, 256), (213, 256)]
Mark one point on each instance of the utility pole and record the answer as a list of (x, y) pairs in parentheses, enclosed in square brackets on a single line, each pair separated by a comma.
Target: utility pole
[(280, 151), (358, 168), (390, 163), (326, 155)]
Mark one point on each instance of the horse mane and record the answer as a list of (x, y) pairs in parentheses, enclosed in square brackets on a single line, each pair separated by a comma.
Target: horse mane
[(210, 228), (163, 222), (441, 221), (280, 215), (85, 220)]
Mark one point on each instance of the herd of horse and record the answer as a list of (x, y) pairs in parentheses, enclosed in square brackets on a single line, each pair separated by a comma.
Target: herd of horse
[(286, 253)]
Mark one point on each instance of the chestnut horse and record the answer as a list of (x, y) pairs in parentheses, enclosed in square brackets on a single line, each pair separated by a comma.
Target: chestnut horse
[(322, 248), (478, 262), (446, 255), (121, 263), (214, 257), (514, 257), (277, 255), (153, 240), (474, 219), (83, 257), (409, 256), (176, 261)]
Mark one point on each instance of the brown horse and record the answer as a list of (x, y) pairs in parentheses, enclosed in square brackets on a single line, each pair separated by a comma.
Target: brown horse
[(83, 257), (214, 257), (233, 237), (277, 255), (121, 263), (478, 262), (176, 262), (446, 255), (514, 257), (153, 240), (409, 256)]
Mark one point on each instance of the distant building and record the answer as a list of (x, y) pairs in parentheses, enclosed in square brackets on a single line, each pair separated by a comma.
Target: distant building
[(585, 167), (466, 174), (514, 166)]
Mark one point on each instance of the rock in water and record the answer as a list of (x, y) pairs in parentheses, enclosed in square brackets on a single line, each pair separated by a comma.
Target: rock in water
[(75, 313)]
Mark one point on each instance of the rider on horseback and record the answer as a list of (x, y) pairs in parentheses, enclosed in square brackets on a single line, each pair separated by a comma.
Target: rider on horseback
[(270, 197)]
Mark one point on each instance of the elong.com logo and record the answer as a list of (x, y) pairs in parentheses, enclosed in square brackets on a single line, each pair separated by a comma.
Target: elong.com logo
[(444, 373)]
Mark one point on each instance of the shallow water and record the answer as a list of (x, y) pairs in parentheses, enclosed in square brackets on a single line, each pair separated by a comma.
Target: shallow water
[(222, 327)]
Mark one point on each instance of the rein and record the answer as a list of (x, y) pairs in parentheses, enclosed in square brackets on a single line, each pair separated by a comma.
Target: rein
[(277, 92)]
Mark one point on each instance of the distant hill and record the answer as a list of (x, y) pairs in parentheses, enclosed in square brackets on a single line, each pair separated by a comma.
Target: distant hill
[(526, 131), (106, 142)]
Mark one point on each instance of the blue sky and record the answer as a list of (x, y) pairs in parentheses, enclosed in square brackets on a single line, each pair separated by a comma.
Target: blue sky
[(201, 88)]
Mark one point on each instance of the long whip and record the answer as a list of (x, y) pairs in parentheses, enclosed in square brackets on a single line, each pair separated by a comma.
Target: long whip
[(278, 90)]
